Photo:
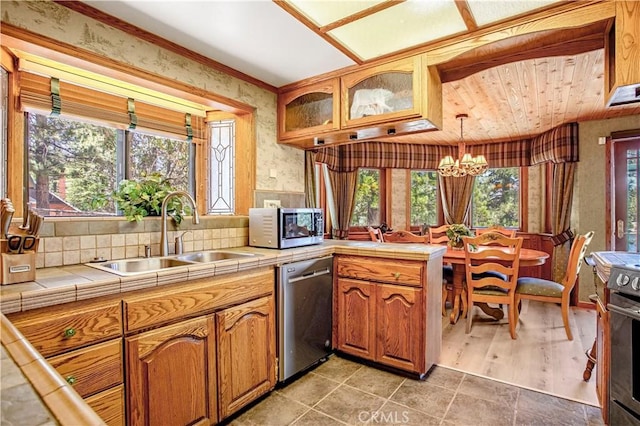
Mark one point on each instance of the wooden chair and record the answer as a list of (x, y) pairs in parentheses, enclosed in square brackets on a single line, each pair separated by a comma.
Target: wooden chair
[(556, 292), (503, 256), (495, 230), (375, 234), (511, 233), (438, 235), (405, 237)]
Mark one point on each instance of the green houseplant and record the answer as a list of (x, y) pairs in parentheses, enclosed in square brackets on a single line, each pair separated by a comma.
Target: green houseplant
[(138, 198), (455, 233)]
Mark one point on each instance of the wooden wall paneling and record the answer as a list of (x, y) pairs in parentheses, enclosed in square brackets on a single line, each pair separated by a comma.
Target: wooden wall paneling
[(15, 138)]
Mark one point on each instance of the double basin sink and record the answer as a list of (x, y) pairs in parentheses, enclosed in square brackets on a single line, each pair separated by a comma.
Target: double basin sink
[(128, 267)]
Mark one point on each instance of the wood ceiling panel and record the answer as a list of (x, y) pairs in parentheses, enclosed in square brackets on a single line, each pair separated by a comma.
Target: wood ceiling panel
[(522, 99)]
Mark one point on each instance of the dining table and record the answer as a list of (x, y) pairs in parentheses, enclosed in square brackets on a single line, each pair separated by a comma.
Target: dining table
[(456, 258)]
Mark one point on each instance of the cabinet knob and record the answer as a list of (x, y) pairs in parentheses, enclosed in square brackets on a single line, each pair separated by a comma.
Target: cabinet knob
[(69, 332), (71, 380), (396, 275)]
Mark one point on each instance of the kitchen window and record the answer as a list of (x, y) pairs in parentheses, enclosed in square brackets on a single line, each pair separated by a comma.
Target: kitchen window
[(369, 203), (496, 198), (424, 198), (74, 166)]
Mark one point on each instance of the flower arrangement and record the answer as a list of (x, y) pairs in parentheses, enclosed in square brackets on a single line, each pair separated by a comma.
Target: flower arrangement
[(455, 232)]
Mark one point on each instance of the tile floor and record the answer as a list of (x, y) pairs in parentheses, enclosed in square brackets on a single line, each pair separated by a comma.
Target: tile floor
[(342, 392)]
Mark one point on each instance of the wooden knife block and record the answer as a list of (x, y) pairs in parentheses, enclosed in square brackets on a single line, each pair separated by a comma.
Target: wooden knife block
[(17, 268)]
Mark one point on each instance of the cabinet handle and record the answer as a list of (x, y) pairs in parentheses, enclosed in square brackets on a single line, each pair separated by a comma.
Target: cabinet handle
[(71, 380), (69, 332), (396, 275)]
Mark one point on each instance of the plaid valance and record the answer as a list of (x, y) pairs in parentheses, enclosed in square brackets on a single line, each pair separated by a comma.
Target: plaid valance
[(558, 145)]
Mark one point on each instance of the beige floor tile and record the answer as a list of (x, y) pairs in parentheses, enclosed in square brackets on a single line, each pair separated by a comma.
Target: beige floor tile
[(350, 405), (375, 381), (309, 389)]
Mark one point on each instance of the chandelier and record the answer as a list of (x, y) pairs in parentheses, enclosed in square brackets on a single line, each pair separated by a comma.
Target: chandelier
[(465, 164)]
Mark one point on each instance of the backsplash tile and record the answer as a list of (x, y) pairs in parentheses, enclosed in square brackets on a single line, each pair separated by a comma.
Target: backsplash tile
[(64, 242)]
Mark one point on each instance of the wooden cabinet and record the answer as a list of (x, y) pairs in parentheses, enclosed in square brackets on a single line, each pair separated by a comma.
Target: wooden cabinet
[(172, 374), (356, 333), (385, 92), (246, 353), (83, 342), (309, 111), (396, 98), (200, 351), (388, 311), (622, 55)]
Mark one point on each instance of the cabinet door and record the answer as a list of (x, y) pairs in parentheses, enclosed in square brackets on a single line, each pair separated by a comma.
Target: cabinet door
[(385, 92), (310, 110), (171, 374), (246, 353), (356, 318), (401, 335)]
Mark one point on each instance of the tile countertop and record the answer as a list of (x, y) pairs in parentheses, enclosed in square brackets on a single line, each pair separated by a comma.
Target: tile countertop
[(64, 284)]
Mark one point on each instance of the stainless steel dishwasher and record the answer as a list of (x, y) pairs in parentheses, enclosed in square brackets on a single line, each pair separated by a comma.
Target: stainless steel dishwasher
[(304, 314)]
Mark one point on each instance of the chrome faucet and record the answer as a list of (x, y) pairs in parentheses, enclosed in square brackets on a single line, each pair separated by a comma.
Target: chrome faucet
[(164, 245)]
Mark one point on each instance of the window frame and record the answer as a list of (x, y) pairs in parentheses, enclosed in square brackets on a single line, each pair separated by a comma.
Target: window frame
[(523, 201), (243, 113), (384, 197), (439, 211)]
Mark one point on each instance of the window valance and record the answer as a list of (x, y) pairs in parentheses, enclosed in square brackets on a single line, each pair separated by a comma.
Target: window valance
[(76, 101), (558, 145)]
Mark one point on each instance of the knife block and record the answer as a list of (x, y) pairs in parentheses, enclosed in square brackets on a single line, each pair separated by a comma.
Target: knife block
[(17, 268)]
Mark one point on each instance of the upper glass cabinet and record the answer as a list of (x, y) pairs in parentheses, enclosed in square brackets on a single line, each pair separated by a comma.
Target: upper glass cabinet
[(381, 93), (310, 110)]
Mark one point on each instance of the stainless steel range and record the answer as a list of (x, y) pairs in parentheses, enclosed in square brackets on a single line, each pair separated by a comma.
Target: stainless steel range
[(624, 380)]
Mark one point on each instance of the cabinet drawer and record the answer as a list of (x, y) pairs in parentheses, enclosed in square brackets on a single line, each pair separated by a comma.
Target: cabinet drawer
[(109, 405), (53, 331), (381, 270), (172, 304), (93, 369)]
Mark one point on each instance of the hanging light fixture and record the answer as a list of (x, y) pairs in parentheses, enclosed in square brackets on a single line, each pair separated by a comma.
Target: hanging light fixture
[(465, 164)]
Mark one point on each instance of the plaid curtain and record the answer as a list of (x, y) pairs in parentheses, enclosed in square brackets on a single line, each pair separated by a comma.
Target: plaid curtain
[(456, 198), (310, 178), (558, 145), (343, 185), (561, 201)]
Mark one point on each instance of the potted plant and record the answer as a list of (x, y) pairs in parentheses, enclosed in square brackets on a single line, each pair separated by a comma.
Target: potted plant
[(455, 233), (143, 197)]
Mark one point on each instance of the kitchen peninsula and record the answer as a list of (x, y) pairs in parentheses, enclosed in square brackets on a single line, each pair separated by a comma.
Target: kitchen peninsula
[(189, 300)]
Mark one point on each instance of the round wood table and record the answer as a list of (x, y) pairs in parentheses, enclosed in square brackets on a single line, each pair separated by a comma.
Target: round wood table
[(528, 257)]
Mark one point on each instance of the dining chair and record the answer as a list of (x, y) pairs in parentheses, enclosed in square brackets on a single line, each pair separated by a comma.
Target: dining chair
[(496, 230), (542, 290), (503, 256), (375, 234), (438, 235), (511, 233), (405, 237)]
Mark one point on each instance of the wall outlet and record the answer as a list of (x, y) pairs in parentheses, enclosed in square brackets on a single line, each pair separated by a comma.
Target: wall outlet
[(272, 204)]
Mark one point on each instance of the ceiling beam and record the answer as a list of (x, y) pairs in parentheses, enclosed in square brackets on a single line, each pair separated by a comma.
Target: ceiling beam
[(467, 14), (359, 15), (529, 46)]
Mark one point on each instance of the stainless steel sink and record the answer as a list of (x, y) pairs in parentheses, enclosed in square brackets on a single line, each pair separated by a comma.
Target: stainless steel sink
[(128, 267), (212, 256), (140, 266)]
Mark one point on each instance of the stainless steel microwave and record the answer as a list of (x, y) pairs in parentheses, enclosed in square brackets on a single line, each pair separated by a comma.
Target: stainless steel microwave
[(285, 227)]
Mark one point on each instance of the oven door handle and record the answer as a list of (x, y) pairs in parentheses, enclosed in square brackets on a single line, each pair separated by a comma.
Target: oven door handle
[(624, 311)]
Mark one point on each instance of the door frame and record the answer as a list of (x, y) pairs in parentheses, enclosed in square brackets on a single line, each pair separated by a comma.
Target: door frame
[(621, 136)]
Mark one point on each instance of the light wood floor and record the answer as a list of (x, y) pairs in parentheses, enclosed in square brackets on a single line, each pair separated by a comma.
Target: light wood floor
[(541, 358)]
